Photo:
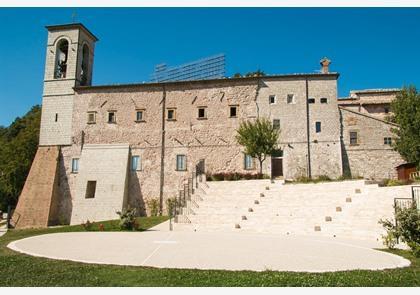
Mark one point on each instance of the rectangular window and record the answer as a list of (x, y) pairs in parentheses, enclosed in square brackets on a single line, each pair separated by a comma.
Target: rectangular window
[(233, 111), (91, 119), (181, 162), (171, 115), (386, 110), (201, 113), (135, 163), (272, 99), (56, 117), (112, 118), (249, 162), (311, 100), (290, 98), (354, 138), (387, 140), (276, 124), (317, 127), (75, 165), (324, 100), (139, 115), (90, 189)]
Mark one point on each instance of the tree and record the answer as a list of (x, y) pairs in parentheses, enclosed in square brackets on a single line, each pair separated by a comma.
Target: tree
[(257, 73), (259, 138), (18, 145), (406, 114)]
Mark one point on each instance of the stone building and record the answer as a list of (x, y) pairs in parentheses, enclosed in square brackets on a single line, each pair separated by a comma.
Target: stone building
[(104, 147)]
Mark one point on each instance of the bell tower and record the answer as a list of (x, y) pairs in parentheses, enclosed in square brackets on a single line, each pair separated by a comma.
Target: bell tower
[(69, 63)]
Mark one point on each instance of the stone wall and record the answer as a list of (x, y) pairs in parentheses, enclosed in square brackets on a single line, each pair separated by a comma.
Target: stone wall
[(370, 157), (105, 165), (57, 102), (325, 151), (38, 202), (211, 139)]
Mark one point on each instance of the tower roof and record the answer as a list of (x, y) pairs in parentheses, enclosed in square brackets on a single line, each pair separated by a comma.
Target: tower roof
[(71, 26)]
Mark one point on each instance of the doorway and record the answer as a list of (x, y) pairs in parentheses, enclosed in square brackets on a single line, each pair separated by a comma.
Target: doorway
[(276, 167)]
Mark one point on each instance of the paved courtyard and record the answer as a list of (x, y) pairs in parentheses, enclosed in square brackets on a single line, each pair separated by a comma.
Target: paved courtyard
[(210, 250)]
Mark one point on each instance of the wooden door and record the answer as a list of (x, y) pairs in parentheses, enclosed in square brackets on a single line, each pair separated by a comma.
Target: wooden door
[(276, 167)]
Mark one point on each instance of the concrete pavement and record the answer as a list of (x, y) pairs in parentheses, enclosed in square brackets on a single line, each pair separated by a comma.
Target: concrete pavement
[(209, 250)]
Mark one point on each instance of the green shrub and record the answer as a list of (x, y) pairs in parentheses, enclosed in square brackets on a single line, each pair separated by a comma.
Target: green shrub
[(231, 176), (389, 240), (87, 225), (407, 228), (303, 179), (153, 205), (323, 178), (395, 182), (128, 219)]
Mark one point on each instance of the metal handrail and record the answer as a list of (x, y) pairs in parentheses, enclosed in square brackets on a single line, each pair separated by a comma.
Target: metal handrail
[(415, 195), (414, 175), (185, 194)]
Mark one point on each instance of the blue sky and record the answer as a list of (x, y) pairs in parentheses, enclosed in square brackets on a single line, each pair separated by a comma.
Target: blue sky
[(369, 47)]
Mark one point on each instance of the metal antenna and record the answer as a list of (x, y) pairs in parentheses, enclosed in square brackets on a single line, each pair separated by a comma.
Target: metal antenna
[(73, 16)]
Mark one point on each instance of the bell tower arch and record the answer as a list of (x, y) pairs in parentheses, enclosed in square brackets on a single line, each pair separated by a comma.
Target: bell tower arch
[(69, 63)]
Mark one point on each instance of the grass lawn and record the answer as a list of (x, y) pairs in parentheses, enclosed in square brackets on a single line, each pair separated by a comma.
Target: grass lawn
[(23, 270)]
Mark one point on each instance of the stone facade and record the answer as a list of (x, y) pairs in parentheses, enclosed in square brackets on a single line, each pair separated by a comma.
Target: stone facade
[(313, 130), (368, 156), (39, 200), (105, 166)]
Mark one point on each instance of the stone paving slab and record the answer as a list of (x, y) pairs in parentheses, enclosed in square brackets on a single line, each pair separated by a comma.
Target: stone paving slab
[(209, 250)]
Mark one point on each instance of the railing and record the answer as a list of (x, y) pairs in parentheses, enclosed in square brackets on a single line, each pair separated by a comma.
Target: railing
[(187, 198), (415, 195), (414, 175), (402, 203)]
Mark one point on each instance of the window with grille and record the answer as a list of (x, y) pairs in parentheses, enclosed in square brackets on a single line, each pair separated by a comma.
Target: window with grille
[(354, 140), (388, 140), (91, 117)]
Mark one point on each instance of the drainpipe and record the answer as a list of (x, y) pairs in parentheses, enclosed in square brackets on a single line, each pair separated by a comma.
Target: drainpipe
[(308, 128), (162, 153)]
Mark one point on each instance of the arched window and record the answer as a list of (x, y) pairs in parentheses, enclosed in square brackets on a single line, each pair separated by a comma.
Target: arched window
[(85, 66), (61, 59)]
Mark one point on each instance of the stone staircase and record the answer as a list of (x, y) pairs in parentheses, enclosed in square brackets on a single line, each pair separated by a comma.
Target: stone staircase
[(348, 209)]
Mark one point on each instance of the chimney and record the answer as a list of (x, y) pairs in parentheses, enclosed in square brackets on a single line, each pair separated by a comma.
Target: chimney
[(325, 62)]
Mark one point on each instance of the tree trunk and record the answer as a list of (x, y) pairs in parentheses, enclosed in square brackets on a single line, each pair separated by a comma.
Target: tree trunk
[(261, 162)]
